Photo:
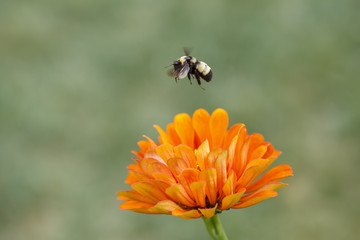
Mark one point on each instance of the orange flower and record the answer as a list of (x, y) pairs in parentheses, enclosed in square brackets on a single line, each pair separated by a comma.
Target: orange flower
[(200, 168)]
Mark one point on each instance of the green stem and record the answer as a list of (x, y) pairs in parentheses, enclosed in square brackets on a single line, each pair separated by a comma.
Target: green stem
[(215, 228)]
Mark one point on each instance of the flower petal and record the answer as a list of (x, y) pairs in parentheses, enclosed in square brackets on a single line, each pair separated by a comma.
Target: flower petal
[(191, 214), (220, 166), (131, 205), (231, 200), (134, 196), (131, 178), (211, 158), (179, 195), (165, 178), (273, 186), (239, 162), (208, 212), (165, 151), (258, 152), (276, 173), (256, 139), (156, 167), (139, 176), (165, 207), (163, 138), (200, 122), (256, 198), (219, 121), (151, 154), (202, 153), (176, 166), (209, 176), (171, 132), (228, 188), (152, 144), (187, 177), (252, 171), (149, 191), (184, 129), (233, 132), (199, 192), (187, 154)]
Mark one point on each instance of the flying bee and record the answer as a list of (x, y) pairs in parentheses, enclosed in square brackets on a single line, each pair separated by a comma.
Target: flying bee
[(190, 67)]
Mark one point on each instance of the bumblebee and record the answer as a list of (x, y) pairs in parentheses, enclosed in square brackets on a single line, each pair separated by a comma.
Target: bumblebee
[(190, 67)]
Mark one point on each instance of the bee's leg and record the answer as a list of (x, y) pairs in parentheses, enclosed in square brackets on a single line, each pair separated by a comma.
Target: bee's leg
[(189, 77), (197, 76), (176, 80)]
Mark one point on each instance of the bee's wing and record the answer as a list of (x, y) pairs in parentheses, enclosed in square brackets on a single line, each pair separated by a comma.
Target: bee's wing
[(184, 71), (171, 73), (180, 72), (187, 51)]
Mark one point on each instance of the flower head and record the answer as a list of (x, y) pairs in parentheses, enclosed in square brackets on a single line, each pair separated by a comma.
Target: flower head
[(200, 168)]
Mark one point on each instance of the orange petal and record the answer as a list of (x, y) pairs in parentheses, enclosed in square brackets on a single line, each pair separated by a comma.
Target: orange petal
[(151, 142), (176, 166), (186, 153), (179, 195), (231, 157), (202, 153), (228, 188), (200, 121), (241, 148), (198, 191), (144, 163), (144, 145), (187, 177), (258, 152), (151, 154), (165, 151), (165, 207), (130, 179), (162, 185), (163, 136), (220, 166), (219, 121), (256, 198), (134, 196), (256, 139), (209, 176), (273, 186), (274, 174), (192, 175), (184, 129), (212, 156), (149, 190), (139, 176), (231, 200), (165, 178), (269, 151), (134, 167), (208, 212), (156, 167), (171, 132), (233, 132), (130, 205), (186, 214), (252, 171)]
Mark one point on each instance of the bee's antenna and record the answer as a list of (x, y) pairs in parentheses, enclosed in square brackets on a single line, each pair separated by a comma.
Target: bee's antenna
[(169, 65)]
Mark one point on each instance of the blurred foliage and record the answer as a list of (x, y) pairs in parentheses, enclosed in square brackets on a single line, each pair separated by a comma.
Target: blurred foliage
[(81, 81)]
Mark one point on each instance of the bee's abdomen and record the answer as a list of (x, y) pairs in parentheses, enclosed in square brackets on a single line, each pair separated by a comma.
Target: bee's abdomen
[(204, 70)]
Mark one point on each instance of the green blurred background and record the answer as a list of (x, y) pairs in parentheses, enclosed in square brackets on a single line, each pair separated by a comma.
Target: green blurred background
[(81, 81)]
